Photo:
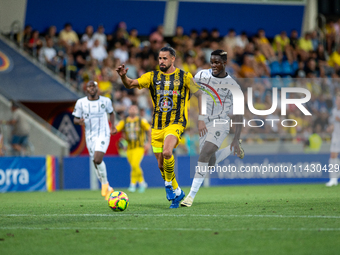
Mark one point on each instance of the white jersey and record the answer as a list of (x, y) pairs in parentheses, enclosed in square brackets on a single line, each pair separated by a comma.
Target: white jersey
[(94, 112), (218, 110), (336, 131)]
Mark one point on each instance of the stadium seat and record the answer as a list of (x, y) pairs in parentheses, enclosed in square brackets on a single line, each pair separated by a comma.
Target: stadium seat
[(275, 68), (286, 68)]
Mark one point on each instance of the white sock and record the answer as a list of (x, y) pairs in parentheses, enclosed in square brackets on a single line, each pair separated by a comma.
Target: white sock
[(333, 175), (178, 191), (222, 154), (198, 179), (133, 185), (102, 172), (168, 183)]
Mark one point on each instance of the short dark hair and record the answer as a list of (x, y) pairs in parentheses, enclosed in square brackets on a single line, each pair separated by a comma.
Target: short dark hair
[(170, 49), (221, 53)]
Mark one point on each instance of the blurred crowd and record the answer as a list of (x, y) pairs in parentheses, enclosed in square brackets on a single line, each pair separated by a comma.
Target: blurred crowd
[(311, 60)]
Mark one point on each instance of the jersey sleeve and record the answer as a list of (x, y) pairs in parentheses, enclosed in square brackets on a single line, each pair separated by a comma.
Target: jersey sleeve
[(120, 125), (77, 112), (109, 107), (145, 125), (144, 81), (191, 84)]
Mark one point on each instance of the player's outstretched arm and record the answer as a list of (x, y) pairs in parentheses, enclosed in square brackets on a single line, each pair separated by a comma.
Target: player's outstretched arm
[(112, 120), (235, 143), (202, 129), (78, 121), (128, 83)]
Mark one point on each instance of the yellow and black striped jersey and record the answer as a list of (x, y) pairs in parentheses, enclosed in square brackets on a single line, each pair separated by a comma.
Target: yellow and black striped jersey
[(170, 95), (134, 130)]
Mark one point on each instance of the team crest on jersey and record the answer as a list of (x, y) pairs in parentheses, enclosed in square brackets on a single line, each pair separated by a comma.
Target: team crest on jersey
[(177, 82), (165, 104), (86, 115), (102, 106), (102, 142)]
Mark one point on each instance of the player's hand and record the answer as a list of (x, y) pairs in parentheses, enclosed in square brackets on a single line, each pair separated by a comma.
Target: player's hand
[(113, 130), (121, 70), (82, 122), (202, 129), (236, 147), (147, 147)]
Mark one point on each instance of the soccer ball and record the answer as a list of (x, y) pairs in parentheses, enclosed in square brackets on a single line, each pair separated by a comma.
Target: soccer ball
[(118, 201)]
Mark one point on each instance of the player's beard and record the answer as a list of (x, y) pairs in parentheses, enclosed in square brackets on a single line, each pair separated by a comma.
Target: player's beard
[(164, 68)]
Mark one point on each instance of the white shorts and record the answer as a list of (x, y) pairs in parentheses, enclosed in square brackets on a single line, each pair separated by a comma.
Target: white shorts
[(335, 144), (97, 144), (215, 135)]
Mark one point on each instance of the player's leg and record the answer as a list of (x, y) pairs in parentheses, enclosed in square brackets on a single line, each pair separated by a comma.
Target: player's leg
[(225, 152), (333, 181), (172, 137), (101, 145), (133, 174), (137, 157)]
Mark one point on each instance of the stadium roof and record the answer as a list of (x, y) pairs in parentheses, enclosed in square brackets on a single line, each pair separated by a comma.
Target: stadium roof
[(21, 80)]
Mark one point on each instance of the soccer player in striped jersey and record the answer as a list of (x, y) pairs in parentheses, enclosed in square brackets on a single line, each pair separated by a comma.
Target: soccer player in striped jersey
[(91, 111), (335, 143), (169, 89), (212, 137), (134, 129)]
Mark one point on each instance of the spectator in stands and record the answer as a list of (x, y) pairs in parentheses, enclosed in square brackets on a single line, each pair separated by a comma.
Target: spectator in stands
[(281, 46), (248, 67), (133, 38), (88, 37), (330, 36), (82, 55), (121, 52), (68, 36), (100, 36), (230, 40), (20, 130), (203, 39), (25, 36), (315, 39), (334, 60), (300, 72), (34, 44), (48, 54), (118, 37), (215, 36), (52, 33), (98, 51), (310, 67), (294, 39), (109, 70), (157, 36), (179, 38), (265, 46), (305, 46)]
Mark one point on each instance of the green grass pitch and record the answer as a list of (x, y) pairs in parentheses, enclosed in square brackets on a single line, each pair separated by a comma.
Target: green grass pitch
[(282, 219)]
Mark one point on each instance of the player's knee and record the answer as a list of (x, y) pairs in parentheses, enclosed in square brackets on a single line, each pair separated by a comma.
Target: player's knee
[(167, 154)]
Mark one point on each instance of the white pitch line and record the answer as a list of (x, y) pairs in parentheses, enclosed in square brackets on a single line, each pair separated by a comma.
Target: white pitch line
[(172, 229), (169, 215)]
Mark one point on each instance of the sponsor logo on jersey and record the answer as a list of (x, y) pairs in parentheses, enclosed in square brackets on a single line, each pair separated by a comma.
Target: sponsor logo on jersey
[(169, 92), (158, 82), (165, 104), (167, 83)]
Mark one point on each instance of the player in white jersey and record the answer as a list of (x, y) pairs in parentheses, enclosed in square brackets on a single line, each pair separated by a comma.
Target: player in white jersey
[(335, 143), (212, 137), (91, 111)]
